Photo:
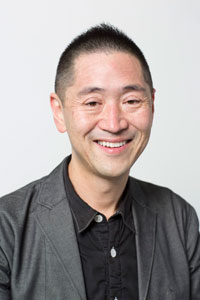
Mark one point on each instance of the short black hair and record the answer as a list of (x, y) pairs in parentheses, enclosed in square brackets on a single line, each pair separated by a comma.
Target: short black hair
[(102, 37)]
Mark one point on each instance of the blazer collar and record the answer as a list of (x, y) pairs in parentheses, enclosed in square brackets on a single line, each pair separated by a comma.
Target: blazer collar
[(55, 220), (145, 232)]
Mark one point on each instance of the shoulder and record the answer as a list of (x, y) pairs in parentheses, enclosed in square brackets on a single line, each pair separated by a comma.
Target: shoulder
[(156, 196), (15, 217), (164, 202), (16, 209), (24, 200)]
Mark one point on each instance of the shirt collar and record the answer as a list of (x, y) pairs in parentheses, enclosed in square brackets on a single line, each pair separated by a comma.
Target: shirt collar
[(84, 214), (125, 207)]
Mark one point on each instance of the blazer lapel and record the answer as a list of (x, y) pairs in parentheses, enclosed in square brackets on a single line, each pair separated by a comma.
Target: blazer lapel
[(145, 227), (55, 220)]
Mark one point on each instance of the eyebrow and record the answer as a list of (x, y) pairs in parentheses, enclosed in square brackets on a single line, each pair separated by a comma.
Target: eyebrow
[(89, 90), (133, 87)]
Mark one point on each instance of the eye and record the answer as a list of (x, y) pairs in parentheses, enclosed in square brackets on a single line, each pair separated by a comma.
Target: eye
[(133, 101), (92, 103)]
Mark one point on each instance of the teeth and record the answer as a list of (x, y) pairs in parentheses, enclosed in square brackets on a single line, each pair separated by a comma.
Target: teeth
[(111, 145)]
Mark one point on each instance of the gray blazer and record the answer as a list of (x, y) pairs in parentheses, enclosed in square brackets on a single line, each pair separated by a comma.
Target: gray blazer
[(39, 256)]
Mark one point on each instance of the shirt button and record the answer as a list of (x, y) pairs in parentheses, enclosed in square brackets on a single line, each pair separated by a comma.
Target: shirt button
[(113, 254), (98, 218)]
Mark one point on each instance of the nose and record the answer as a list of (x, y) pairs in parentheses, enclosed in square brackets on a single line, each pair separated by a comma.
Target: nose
[(113, 119)]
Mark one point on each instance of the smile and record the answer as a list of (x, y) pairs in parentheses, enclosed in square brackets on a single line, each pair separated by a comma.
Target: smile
[(112, 145)]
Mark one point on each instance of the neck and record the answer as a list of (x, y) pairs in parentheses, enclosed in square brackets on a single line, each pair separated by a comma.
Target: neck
[(102, 194)]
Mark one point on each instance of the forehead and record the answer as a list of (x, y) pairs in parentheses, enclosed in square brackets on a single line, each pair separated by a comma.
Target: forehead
[(109, 71), (102, 64)]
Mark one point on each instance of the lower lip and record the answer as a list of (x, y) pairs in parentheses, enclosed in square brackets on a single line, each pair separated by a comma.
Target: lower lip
[(116, 150)]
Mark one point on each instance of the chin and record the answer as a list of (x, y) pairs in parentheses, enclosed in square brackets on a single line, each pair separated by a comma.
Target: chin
[(113, 168), (111, 173)]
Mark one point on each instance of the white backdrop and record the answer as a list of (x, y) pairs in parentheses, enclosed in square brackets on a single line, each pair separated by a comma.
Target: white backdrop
[(33, 35)]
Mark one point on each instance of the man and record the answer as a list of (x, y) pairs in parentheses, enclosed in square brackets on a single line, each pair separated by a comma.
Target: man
[(88, 230)]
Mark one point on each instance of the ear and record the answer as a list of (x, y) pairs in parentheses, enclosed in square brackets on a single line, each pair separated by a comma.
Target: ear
[(153, 99), (57, 110)]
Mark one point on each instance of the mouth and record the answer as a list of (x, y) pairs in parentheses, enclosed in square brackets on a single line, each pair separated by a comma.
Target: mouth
[(113, 145)]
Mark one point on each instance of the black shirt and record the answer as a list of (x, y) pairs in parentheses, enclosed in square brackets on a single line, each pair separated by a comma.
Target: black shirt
[(107, 248)]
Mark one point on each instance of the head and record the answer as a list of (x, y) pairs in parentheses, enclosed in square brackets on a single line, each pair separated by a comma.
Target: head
[(104, 100)]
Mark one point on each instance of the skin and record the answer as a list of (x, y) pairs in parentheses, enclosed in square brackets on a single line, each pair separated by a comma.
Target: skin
[(110, 101)]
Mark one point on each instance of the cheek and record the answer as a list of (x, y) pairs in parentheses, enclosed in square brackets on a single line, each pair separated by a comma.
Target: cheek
[(142, 120), (80, 123)]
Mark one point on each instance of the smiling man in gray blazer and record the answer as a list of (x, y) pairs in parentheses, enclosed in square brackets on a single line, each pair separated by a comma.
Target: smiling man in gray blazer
[(88, 230)]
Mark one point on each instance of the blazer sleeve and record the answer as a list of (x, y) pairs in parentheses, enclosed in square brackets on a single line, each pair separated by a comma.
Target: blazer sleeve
[(193, 252), (4, 277)]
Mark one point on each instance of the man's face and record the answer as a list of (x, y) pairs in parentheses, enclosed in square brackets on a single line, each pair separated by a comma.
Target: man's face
[(107, 113)]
